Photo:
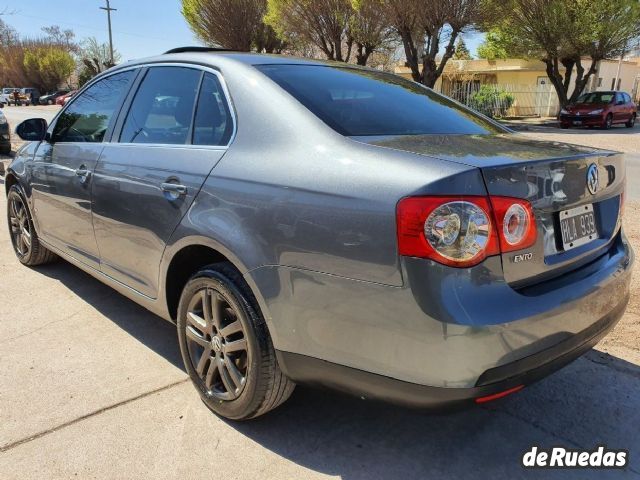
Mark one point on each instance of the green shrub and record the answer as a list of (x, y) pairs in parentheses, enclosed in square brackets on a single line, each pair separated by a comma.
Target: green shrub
[(491, 101)]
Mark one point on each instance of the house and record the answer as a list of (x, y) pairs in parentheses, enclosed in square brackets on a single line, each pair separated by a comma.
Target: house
[(527, 81)]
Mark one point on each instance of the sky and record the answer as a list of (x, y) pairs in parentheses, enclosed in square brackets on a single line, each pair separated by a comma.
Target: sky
[(141, 28)]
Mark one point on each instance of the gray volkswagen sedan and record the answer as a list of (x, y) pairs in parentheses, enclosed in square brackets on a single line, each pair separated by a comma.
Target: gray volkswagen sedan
[(311, 222)]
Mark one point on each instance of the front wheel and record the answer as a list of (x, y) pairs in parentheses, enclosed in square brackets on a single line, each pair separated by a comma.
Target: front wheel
[(631, 122), (226, 347), (608, 122), (24, 238)]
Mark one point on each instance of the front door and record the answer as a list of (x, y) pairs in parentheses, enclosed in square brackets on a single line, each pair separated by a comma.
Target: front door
[(145, 182), (63, 168)]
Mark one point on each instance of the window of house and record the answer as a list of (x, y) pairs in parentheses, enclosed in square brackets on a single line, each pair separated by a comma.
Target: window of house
[(163, 107), (87, 118)]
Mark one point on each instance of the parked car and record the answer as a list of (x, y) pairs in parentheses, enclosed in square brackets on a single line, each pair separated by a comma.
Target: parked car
[(600, 109), (63, 99), (308, 221), (51, 98), (5, 96), (5, 136)]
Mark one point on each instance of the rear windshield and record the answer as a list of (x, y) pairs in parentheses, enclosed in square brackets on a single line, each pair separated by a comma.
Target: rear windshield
[(596, 97), (358, 102)]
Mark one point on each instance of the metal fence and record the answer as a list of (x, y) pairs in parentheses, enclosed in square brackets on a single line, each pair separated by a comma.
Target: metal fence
[(505, 100)]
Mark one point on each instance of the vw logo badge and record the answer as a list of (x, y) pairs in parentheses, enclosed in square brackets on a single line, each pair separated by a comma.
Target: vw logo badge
[(592, 178)]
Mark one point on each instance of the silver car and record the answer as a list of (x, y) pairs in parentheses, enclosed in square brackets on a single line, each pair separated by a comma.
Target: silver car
[(312, 222)]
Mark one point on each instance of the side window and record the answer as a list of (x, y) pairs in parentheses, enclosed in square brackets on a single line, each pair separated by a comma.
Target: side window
[(213, 123), (619, 98), (88, 117), (162, 109), (627, 98)]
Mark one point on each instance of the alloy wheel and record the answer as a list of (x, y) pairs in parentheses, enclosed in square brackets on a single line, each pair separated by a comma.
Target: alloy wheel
[(217, 344), (19, 226)]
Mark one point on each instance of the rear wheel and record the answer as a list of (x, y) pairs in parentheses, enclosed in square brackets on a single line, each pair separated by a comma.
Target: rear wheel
[(608, 122), (226, 347), (24, 238), (631, 122)]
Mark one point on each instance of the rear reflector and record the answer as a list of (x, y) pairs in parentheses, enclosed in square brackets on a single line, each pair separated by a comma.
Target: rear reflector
[(498, 395)]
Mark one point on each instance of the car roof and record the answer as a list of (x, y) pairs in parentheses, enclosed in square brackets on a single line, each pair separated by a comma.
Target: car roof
[(213, 57)]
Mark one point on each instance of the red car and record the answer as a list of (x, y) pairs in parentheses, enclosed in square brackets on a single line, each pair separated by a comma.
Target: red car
[(599, 109), (63, 99)]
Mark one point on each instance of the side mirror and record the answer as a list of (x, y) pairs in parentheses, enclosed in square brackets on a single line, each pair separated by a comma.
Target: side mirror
[(32, 130)]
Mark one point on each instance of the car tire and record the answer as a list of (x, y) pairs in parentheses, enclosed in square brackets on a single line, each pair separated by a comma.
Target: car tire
[(229, 355), (608, 122), (24, 237), (631, 122), (49, 102)]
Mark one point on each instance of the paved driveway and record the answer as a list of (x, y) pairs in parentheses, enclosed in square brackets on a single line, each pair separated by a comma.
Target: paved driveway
[(91, 386)]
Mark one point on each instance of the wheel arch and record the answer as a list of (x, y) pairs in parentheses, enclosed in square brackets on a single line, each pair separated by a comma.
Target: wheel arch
[(184, 258), (9, 181)]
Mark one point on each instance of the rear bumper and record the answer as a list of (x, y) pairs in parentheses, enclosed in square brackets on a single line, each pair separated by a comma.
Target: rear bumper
[(523, 372)]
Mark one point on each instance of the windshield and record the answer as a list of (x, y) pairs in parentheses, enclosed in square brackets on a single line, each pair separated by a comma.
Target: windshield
[(596, 97), (357, 102)]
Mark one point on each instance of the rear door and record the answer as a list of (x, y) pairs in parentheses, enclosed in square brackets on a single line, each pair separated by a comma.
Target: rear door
[(177, 127), (63, 167)]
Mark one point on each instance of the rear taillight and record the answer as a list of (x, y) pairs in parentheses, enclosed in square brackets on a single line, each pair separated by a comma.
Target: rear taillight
[(463, 231), (515, 223)]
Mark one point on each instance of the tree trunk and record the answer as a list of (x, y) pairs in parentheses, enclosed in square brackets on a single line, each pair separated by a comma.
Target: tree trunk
[(553, 72), (431, 70), (411, 53), (363, 52), (582, 80)]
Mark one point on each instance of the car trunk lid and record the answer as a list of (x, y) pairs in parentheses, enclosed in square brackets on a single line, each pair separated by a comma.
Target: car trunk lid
[(553, 177)]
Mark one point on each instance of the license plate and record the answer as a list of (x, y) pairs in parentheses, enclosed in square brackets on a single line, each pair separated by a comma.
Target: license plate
[(577, 122), (578, 226)]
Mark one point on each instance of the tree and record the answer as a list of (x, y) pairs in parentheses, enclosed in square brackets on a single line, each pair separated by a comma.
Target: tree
[(493, 46), (232, 24), (94, 58), (340, 29), (462, 52), (370, 30), (425, 27), (322, 23), (570, 36), (48, 66), (63, 38)]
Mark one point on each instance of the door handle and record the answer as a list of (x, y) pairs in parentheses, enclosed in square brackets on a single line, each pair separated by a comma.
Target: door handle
[(83, 173), (173, 188)]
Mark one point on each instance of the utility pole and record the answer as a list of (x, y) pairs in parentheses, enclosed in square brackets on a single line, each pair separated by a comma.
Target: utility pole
[(109, 10)]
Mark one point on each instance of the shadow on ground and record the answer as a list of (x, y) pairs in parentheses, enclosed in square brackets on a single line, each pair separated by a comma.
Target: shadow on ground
[(593, 401), (149, 329)]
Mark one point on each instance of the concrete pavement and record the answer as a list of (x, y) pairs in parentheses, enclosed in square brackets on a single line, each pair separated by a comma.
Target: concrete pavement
[(92, 386)]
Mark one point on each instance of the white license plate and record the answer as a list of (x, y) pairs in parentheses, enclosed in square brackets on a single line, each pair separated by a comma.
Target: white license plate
[(578, 226), (577, 122)]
